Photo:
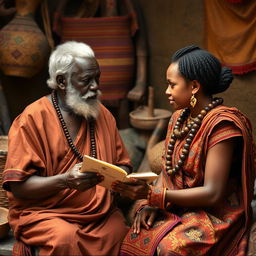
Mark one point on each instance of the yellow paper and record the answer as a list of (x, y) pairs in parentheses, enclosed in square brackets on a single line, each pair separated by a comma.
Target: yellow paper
[(112, 172)]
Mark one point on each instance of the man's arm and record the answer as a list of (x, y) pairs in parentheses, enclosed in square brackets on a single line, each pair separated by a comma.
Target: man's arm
[(37, 187)]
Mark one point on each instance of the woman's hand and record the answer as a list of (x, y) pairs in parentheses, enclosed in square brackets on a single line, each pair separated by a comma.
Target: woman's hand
[(135, 189), (81, 181), (144, 218)]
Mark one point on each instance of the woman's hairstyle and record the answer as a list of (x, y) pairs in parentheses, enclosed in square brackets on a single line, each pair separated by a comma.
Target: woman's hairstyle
[(63, 59), (197, 64)]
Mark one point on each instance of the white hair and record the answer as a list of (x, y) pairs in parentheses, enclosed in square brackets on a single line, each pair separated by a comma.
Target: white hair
[(63, 59)]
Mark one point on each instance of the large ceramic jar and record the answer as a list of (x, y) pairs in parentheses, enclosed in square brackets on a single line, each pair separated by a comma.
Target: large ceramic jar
[(24, 48)]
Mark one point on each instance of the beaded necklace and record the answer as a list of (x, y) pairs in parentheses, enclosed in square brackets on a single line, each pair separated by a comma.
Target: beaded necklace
[(93, 150), (190, 131)]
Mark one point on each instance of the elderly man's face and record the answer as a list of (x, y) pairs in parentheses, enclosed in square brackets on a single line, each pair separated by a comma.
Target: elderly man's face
[(82, 89), (85, 78)]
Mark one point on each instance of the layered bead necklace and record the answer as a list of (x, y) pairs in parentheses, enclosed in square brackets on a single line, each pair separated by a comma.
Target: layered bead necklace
[(190, 129), (93, 150)]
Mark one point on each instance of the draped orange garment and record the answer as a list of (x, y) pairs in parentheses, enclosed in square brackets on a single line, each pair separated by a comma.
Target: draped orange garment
[(220, 230), (37, 145), (230, 33)]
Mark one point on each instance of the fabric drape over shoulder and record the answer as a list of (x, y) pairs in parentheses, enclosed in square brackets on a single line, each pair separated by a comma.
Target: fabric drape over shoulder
[(37, 145), (218, 230), (230, 33), (230, 221)]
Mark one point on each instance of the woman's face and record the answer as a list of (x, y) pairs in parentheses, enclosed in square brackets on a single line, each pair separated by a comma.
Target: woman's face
[(179, 90)]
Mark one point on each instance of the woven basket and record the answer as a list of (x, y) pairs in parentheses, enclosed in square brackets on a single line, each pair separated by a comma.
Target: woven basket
[(3, 154)]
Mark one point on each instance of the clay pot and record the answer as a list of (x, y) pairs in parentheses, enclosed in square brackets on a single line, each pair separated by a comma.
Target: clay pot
[(23, 46), (155, 155)]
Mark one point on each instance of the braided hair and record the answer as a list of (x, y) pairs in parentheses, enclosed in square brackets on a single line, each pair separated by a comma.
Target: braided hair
[(197, 64)]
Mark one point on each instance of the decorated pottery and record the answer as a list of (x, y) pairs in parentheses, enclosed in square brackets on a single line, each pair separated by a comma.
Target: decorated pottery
[(24, 49)]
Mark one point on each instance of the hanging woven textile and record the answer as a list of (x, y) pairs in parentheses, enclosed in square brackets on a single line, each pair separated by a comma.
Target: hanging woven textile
[(111, 40), (230, 33)]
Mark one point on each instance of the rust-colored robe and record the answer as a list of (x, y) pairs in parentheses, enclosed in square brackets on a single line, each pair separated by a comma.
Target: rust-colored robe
[(71, 222)]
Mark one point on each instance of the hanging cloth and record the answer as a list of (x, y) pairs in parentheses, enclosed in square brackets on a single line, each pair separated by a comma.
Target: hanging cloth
[(230, 33), (111, 40)]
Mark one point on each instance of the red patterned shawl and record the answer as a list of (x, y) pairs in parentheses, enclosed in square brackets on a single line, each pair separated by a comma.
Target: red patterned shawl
[(229, 225)]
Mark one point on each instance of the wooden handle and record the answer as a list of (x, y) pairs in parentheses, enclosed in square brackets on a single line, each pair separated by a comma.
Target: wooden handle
[(150, 101)]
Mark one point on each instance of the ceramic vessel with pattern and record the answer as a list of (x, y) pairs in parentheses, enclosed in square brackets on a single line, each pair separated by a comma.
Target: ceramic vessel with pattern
[(24, 49)]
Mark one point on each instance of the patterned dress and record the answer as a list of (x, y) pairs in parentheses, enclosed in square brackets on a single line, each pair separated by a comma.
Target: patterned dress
[(221, 230)]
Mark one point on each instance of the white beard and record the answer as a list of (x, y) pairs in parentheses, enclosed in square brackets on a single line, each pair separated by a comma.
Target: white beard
[(82, 105)]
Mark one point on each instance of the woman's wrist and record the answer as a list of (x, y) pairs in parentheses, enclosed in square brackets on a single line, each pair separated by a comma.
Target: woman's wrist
[(156, 197)]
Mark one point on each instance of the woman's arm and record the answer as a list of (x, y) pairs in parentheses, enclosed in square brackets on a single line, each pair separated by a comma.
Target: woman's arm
[(218, 164), (217, 168)]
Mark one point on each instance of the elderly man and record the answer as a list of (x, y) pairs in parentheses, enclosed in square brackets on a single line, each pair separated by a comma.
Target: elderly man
[(53, 206)]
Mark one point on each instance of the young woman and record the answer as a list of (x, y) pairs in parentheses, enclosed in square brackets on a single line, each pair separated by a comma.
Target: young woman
[(200, 204)]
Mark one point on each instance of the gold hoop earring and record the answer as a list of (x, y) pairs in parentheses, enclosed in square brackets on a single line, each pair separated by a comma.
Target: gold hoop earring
[(193, 101)]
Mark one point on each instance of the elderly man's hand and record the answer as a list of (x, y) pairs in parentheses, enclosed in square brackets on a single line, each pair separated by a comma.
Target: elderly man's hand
[(81, 181)]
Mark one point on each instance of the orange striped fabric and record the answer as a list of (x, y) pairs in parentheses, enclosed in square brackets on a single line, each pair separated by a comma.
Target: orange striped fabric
[(225, 131), (111, 40)]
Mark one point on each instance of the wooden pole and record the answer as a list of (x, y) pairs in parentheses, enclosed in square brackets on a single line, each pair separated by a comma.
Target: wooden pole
[(150, 101)]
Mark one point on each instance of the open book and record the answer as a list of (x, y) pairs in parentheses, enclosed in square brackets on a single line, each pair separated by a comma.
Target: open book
[(112, 172)]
